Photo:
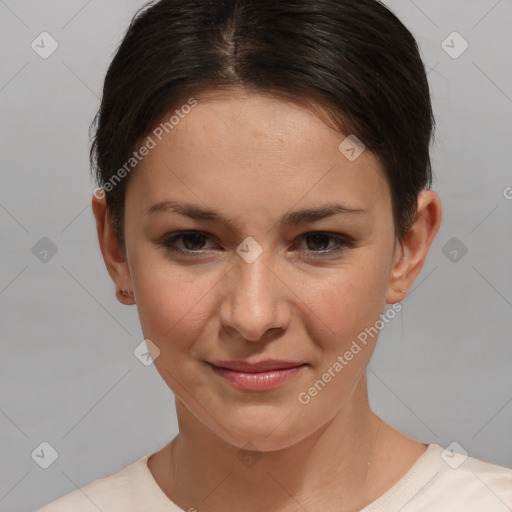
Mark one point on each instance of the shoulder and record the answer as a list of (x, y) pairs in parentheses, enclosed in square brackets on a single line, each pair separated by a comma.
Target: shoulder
[(469, 481), (111, 493), (455, 481), (443, 481)]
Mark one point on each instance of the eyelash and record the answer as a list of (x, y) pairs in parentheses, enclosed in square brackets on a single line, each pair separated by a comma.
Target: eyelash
[(342, 243)]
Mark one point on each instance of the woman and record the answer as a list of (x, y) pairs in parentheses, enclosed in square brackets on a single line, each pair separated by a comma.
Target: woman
[(264, 198)]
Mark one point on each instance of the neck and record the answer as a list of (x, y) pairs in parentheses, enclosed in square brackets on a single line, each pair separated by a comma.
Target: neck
[(328, 469)]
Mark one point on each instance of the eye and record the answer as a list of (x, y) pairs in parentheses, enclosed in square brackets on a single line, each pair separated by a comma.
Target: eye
[(321, 240), (193, 243)]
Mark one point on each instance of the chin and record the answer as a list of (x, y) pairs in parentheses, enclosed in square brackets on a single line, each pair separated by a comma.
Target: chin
[(263, 428)]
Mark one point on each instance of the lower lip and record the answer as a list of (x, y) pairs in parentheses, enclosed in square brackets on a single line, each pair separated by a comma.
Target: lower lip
[(261, 381)]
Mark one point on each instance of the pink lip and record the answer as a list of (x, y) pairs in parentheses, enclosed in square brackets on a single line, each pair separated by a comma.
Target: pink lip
[(261, 376)]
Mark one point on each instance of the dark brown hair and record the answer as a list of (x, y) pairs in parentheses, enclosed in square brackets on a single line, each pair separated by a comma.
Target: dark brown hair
[(355, 59)]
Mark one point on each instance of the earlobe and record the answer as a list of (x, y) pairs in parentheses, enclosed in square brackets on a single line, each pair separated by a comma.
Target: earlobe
[(397, 290), (126, 296), (411, 253), (113, 255)]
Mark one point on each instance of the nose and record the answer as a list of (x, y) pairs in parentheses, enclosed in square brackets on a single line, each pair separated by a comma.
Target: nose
[(255, 306)]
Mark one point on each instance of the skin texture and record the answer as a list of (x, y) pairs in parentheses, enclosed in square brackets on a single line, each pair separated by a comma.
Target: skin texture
[(253, 158)]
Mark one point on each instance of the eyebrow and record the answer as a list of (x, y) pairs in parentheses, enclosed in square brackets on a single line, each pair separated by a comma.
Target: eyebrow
[(288, 219)]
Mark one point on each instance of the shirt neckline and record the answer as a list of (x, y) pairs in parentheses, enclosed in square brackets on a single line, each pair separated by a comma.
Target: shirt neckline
[(409, 484), (399, 488)]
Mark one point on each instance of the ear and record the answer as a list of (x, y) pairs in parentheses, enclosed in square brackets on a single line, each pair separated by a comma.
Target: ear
[(411, 253), (113, 255)]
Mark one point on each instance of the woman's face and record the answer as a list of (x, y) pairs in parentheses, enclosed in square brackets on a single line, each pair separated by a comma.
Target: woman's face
[(258, 286)]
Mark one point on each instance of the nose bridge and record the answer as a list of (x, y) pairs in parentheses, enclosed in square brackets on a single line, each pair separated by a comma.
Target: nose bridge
[(254, 302)]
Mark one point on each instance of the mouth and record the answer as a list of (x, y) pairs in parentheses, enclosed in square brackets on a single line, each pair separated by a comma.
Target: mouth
[(260, 376)]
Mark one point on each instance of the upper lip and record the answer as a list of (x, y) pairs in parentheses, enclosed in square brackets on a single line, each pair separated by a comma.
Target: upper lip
[(260, 366)]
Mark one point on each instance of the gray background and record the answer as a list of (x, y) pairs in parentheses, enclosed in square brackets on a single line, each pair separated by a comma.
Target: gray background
[(441, 371)]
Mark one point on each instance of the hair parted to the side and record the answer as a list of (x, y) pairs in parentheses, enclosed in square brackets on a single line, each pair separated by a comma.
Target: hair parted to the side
[(353, 59)]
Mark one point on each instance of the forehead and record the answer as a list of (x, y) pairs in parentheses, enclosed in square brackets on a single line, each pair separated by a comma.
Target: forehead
[(255, 153)]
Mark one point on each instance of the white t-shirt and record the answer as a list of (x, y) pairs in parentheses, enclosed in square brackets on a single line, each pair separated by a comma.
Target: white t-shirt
[(433, 484)]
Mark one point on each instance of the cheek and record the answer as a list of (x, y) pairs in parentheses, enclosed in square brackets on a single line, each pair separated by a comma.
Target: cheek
[(176, 304), (173, 304), (347, 302)]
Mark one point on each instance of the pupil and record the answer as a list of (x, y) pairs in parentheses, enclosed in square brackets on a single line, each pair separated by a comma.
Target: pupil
[(196, 240), (318, 239)]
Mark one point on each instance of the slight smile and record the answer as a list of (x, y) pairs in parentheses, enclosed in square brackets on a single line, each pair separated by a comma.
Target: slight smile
[(261, 376)]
